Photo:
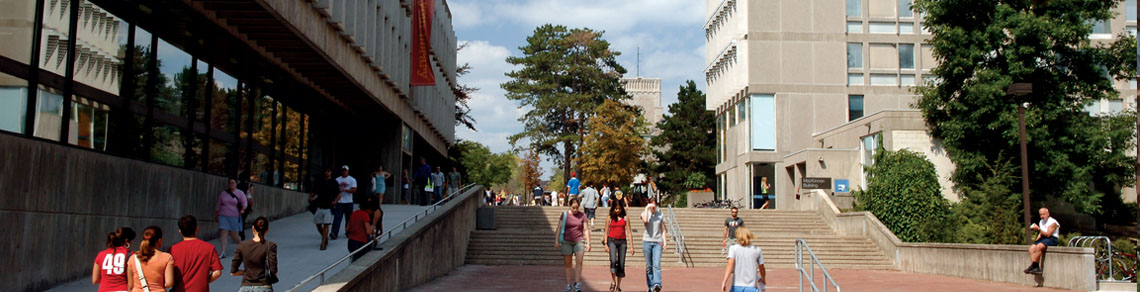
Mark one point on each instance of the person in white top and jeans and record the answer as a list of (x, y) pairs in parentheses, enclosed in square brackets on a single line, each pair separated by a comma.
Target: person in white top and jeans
[(745, 265), (1048, 232), (653, 243)]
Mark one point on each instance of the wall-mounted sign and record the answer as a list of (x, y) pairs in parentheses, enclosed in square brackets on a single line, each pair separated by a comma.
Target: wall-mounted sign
[(815, 183), (842, 186)]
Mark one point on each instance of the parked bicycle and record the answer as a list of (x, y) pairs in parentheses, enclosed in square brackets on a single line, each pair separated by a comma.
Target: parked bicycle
[(719, 204)]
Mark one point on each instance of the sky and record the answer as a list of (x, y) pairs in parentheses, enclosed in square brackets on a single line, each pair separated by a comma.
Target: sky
[(669, 33)]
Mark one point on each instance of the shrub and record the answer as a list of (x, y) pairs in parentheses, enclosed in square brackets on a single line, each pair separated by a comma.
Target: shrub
[(903, 191)]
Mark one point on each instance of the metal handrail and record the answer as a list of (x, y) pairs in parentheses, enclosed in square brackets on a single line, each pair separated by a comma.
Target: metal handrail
[(801, 246), (1100, 258), (678, 236), (387, 234)]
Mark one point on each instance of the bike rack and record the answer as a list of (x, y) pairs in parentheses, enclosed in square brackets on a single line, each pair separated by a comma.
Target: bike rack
[(1104, 258)]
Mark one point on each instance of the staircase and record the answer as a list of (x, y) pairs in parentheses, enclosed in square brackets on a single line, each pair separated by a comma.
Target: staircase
[(525, 236)]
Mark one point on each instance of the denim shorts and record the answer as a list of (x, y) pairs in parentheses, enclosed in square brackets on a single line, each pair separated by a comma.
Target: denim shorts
[(229, 223), (256, 289), (569, 248), (746, 289), (1048, 241)]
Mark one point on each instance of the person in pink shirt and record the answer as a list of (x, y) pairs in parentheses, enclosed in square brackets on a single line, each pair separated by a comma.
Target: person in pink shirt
[(574, 240), (231, 203)]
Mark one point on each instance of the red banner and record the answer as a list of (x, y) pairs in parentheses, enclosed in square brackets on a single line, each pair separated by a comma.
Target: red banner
[(422, 70)]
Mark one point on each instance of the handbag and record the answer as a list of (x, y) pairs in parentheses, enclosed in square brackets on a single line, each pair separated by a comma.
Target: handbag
[(138, 269), (429, 186), (270, 277)]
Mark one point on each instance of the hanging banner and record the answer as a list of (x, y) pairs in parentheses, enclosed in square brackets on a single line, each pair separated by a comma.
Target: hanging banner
[(422, 71)]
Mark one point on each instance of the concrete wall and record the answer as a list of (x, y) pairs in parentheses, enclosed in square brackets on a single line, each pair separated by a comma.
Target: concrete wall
[(428, 249), (59, 202), (1065, 267)]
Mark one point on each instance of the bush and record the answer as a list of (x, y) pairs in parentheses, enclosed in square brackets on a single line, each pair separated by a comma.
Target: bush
[(903, 191), (990, 213)]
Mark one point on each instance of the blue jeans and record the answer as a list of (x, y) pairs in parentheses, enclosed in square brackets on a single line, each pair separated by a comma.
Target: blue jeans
[(652, 251), (341, 210), (744, 289), (437, 193)]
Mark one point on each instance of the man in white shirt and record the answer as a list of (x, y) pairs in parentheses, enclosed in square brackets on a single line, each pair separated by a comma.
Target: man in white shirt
[(1048, 232), (343, 206)]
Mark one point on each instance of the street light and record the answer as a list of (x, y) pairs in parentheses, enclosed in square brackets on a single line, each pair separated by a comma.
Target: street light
[(1020, 89)]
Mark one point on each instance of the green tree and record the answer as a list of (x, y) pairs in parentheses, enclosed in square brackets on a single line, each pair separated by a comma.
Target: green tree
[(983, 46), (990, 213), (564, 74), (463, 94), (613, 146), (482, 166), (903, 191), (686, 148)]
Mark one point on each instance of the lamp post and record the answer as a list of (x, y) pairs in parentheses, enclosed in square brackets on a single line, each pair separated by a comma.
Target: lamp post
[(1020, 89)]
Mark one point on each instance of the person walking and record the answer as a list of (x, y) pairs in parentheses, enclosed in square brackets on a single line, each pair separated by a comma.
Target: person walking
[(323, 199), (420, 180), (745, 265), (606, 195), (616, 242), (259, 255), (196, 263), (406, 184), (763, 198), (653, 243), (437, 179), (1048, 232), (359, 229), (347, 186), (590, 203), (572, 186), (573, 240), (380, 183), (454, 181), (150, 269), (730, 226), (231, 203), (110, 268), (247, 188)]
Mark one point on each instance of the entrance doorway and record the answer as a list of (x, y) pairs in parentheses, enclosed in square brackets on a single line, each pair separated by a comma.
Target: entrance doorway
[(763, 186)]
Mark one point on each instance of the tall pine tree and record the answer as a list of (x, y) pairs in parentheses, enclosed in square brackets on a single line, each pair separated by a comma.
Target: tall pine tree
[(686, 148)]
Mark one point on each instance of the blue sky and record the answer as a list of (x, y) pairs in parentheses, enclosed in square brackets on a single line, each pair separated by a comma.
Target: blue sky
[(669, 33)]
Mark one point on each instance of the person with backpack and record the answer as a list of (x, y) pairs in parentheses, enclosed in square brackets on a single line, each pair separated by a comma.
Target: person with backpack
[(231, 203), (573, 240)]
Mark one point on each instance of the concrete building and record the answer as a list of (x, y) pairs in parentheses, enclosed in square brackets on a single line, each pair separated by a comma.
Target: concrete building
[(179, 95), (646, 93), (806, 89)]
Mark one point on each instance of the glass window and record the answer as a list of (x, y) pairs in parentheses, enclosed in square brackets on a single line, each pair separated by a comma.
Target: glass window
[(763, 122), (53, 43), (169, 146), (89, 124), (855, 55), (1115, 106), (175, 80), (263, 120), (869, 146), (855, 8), (906, 56), (882, 27), (407, 138), (906, 28), (13, 103), (18, 22), (904, 9), (1102, 27), (884, 79), (855, 79), (204, 89), (99, 56), (49, 113), (1130, 10), (731, 116), (741, 108), (1093, 107), (1132, 83), (854, 107), (906, 80), (217, 161), (225, 111), (1131, 30), (855, 26), (142, 63), (261, 169)]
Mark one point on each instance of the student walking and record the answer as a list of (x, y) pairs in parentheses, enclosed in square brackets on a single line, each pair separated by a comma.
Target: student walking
[(231, 203), (572, 186), (454, 181), (616, 242), (359, 230), (730, 226), (437, 181), (653, 243), (196, 263), (420, 180), (606, 195), (110, 269), (323, 200), (344, 202), (156, 267), (406, 182), (574, 240), (380, 183), (745, 265), (259, 255), (590, 203), (763, 198)]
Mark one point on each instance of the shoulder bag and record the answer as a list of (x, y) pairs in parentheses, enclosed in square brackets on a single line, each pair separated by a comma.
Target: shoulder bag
[(270, 277), (142, 277)]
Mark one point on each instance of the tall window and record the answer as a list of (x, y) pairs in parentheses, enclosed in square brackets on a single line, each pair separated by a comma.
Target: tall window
[(854, 107), (1102, 27), (742, 110), (904, 9), (906, 56), (855, 8), (1130, 10), (855, 55), (763, 122)]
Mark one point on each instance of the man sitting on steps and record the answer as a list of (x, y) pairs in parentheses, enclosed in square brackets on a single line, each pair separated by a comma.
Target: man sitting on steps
[(1047, 233)]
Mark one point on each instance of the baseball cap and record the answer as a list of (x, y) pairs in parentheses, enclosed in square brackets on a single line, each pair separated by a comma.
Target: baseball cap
[(344, 167)]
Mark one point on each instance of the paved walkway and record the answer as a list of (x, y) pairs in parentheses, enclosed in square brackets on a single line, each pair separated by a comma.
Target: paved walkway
[(298, 250), (595, 278)]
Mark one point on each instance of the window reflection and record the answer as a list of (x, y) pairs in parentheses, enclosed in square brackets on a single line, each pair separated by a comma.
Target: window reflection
[(89, 122), (141, 63), (17, 29), (225, 109), (169, 147), (13, 103), (98, 60)]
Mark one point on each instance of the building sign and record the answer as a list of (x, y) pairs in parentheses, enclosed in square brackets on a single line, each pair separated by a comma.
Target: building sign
[(842, 186), (815, 183)]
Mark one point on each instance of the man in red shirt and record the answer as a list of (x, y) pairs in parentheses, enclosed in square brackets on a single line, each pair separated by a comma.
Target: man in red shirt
[(359, 227), (196, 262)]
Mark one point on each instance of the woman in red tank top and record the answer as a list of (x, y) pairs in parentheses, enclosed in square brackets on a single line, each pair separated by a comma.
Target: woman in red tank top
[(616, 242)]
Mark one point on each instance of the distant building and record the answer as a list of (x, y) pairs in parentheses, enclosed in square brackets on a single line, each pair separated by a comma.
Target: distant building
[(646, 93)]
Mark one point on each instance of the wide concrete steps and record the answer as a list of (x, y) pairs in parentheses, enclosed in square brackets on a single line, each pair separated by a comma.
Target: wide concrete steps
[(525, 236)]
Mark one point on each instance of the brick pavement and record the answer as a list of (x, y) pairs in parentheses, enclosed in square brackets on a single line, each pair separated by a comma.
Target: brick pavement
[(595, 278)]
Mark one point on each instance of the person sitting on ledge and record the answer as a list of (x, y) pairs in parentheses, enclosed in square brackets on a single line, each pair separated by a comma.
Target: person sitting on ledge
[(1048, 231)]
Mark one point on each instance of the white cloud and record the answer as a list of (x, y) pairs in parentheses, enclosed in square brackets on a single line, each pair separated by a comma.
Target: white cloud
[(465, 14)]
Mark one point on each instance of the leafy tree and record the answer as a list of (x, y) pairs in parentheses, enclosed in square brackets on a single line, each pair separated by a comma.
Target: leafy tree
[(564, 74), (983, 46), (463, 94), (482, 166), (903, 191), (686, 148), (612, 150), (530, 170), (990, 213)]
